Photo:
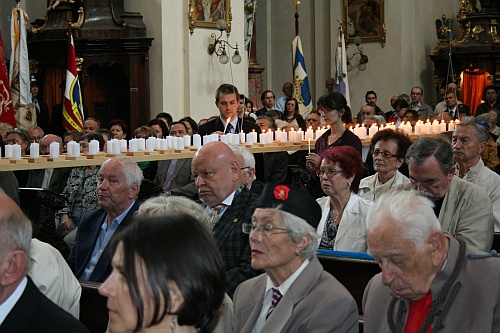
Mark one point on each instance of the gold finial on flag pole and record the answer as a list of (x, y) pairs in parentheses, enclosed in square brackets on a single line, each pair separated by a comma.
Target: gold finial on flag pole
[(296, 3)]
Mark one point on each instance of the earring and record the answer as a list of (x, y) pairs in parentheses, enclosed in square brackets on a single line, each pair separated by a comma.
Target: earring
[(173, 323), (348, 184)]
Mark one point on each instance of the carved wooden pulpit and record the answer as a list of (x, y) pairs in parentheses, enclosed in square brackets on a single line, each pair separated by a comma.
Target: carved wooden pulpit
[(112, 51)]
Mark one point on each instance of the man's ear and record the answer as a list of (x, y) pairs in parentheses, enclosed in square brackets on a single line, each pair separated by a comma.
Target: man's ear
[(14, 265), (235, 169), (134, 191), (438, 241)]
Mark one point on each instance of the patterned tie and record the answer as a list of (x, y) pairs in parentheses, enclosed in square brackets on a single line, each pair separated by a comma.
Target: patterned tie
[(216, 212), (276, 299), (229, 129)]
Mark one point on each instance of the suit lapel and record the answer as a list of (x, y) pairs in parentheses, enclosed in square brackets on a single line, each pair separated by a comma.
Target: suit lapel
[(252, 311), (231, 215)]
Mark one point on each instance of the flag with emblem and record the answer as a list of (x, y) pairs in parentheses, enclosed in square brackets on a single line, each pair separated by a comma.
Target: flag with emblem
[(7, 109), (72, 107), (301, 90), (19, 75)]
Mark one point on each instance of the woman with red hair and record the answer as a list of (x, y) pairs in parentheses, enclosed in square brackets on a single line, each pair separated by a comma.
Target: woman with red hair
[(343, 222)]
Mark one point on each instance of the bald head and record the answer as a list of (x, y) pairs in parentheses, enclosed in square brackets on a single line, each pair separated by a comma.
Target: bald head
[(47, 140), (217, 172)]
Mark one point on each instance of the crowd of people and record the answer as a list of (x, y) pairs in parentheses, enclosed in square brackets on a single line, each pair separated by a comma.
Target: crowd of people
[(230, 243)]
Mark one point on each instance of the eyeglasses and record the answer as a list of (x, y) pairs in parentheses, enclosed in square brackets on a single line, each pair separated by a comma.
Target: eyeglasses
[(330, 172), (385, 154), (244, 168), (262, 230)]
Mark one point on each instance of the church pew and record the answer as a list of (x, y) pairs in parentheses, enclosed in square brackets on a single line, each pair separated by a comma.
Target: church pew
[(351, 269), (93, 309)]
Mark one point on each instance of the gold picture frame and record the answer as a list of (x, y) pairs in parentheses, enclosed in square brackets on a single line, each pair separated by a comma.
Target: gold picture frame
[(364, 19), (214, 10)]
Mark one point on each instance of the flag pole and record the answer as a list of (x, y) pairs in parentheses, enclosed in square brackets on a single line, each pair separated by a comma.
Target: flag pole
[(297, 3)]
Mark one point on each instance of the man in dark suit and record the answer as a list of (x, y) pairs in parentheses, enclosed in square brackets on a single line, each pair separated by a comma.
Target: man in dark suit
[(23, 307), (118, 185), (42, 109), (230, 204), (267, 98), (53, 179), (175, 176), (227, 99)]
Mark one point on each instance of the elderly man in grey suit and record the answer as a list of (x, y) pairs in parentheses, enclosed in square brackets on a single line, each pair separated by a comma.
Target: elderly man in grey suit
[(295, 294), (430, 281)]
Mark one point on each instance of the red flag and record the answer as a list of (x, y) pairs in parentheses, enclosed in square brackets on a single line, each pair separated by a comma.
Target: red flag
[(7, 110), (72, 108)]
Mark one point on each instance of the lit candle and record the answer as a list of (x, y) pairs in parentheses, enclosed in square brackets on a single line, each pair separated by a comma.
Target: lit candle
[(242, 136), (254, 135), (451, 125), (227, 123), (372, 130), (309, 133), (443, 126), (270, 136), (309, 144)]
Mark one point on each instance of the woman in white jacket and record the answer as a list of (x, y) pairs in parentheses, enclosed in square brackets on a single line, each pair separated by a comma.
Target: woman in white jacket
[(388, 148), (343, 223)]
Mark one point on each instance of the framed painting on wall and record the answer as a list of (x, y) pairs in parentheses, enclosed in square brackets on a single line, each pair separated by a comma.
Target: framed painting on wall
[(206, 13), (364, 19)]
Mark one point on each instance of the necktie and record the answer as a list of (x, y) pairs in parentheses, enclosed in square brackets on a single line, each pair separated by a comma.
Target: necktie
[(216, 212), (276, 298), (418, 313), (452, 114), (229, 129)]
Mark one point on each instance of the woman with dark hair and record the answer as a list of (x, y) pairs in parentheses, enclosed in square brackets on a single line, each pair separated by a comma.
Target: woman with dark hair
[(191, 125), (388, 148), (343, 221), (119, 128), (292, 115), (160, 127), (332, 107), (167, 276), (400, 106)]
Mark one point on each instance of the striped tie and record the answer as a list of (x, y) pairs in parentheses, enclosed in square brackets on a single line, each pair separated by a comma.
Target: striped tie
[(276, 298)]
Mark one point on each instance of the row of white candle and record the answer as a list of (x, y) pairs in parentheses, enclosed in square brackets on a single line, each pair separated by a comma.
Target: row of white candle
[(420, 128), (13, 151)]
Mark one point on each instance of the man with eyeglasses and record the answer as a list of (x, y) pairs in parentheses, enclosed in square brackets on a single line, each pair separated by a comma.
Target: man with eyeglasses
[(53, 179), (295, 294), (267, 98), (229, 203), (462, 208), (417, 104)]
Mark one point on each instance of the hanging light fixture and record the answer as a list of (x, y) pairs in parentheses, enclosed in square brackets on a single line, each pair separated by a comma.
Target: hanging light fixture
[(219, 46)]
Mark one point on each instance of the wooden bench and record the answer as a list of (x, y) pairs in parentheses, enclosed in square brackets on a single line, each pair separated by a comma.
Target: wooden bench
[(93, 309), (354, 274)]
